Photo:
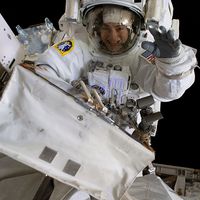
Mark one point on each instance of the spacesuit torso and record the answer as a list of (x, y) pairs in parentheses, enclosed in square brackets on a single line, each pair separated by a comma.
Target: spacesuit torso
[(75, 59)]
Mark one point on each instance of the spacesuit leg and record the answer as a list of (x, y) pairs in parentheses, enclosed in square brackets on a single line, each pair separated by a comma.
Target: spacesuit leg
[(18, 181)]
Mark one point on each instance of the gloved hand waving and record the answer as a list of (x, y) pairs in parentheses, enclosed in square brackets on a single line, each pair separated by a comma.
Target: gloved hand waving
[(165, 44)]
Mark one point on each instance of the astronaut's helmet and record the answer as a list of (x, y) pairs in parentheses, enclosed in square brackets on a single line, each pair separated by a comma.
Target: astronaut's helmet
[(113, 26)]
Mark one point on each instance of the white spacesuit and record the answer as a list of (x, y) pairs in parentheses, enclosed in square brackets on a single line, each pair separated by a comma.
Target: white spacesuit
[(145, 59), (164, 70), (166, 80)]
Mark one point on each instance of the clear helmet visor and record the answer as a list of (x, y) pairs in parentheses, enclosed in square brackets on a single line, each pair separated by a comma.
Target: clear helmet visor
[(113, 29)]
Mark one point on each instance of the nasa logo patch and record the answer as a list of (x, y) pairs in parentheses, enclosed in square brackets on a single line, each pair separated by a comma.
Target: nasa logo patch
[(64, 47)]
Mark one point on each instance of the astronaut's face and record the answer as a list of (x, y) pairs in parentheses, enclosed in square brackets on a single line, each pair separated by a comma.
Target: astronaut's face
[(114, 36)]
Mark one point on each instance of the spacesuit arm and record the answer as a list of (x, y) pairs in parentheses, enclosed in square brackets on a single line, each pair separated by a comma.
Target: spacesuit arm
[(168, 78), (175, 75), (65, 64), (174, 64)]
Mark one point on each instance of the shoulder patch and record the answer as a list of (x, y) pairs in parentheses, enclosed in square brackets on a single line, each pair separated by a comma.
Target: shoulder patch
[(64, 47), (147, 55)]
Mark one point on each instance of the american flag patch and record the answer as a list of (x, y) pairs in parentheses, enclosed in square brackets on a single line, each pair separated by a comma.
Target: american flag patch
[(149, 57)]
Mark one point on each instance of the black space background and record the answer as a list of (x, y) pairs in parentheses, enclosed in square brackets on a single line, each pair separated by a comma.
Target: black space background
[(177, 140)]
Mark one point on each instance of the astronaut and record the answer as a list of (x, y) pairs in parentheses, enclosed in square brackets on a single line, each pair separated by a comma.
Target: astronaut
[(118, 36), (128, 47), (109, 36)]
